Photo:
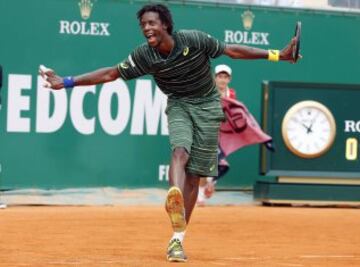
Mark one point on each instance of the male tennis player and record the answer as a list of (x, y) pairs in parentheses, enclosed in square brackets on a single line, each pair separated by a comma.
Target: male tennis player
[(180, 64)]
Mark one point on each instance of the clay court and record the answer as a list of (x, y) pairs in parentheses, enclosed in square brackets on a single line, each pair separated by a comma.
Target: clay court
[(244, 235)]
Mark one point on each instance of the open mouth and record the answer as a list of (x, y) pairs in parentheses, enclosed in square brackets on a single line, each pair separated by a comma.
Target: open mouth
[(150, 37)]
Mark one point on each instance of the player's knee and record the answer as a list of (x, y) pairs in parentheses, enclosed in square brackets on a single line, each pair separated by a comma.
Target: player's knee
[(180, 155)]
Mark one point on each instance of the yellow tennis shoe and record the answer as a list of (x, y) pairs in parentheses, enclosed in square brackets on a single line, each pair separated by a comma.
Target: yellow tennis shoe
[(175, 252), (174, 206)]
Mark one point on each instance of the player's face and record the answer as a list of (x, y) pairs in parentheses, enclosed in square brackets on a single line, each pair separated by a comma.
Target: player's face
[(153, 28), (222, 80)]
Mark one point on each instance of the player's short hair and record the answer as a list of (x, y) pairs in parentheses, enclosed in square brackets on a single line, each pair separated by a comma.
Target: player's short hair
[(164, 14)]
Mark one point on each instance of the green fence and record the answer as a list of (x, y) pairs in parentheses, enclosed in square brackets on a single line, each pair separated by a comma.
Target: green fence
[(116, 134)]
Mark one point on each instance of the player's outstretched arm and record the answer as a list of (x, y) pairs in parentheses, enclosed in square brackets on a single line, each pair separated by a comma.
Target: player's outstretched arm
[(247, 52), (56, 82)]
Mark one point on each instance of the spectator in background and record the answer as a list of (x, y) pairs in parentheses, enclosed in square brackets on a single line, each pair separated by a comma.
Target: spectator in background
[(237, 130), (222, 80)]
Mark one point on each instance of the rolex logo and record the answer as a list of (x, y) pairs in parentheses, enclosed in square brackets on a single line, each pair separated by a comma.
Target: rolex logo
[(85, 8), (85, 27), (248, 19)]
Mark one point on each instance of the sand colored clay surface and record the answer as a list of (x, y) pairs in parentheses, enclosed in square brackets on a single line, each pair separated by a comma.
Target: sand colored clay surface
[(251, 236)]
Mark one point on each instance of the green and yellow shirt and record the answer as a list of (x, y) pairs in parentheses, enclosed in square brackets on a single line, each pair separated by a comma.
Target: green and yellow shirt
[(185, 73)]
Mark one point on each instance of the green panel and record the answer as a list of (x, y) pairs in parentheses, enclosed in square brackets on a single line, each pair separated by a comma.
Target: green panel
[(341, 100), (265, 191), (31, 35)]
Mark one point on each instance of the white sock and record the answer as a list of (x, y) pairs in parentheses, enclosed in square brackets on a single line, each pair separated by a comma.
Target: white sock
[(178, 235)]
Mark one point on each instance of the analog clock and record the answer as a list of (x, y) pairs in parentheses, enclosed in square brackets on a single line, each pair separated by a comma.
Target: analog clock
[(308, 129)]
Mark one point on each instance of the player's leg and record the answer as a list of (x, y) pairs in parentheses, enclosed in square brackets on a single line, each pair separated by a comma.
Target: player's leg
[(190, 192), (180, 134), (203, 161), (177, 173), (180, 202), (193, 131), (176, 203)]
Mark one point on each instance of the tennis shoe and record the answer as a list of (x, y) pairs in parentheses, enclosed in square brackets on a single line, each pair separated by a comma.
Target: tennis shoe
[(175, 252), (174, 206)]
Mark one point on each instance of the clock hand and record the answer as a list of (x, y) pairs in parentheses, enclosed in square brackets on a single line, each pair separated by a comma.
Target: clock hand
[(308, 129), (312, 122), (311, 125)]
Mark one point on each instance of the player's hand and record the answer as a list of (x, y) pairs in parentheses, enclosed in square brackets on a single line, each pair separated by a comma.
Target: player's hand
[(51, 80), (287, 52)]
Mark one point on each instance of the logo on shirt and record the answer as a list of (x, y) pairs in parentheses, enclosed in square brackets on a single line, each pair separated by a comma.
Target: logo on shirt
[(124, 65), (186, 51)]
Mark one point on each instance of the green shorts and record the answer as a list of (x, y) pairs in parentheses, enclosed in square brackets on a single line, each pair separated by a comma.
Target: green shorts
[(195, 127)]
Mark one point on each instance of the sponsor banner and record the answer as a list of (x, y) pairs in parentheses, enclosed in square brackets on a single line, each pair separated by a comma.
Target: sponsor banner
[(144, 115), (116, 134)]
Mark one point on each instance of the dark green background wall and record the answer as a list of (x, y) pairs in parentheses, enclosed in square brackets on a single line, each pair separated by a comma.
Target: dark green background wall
[(30, 35), (342, 101)]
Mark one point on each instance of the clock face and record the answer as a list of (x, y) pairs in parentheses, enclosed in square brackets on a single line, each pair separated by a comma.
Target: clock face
[(308, 129)]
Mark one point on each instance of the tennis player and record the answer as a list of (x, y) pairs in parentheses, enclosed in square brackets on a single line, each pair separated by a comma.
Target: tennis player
[(179, 61)]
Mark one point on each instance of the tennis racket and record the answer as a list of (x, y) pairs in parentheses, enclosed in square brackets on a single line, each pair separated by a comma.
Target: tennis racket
[(296, 50)]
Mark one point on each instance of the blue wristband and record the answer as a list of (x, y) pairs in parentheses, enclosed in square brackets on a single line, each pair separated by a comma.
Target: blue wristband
[(69, 82)]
